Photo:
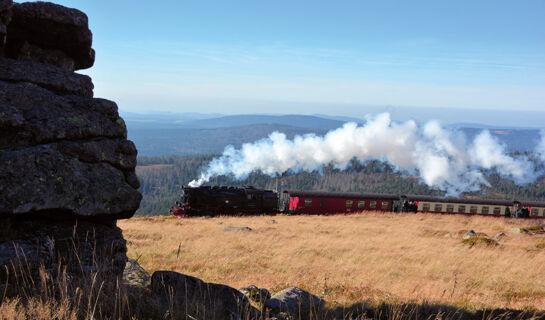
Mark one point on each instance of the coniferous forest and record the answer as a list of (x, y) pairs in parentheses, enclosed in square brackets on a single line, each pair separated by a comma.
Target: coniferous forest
[(162, 177)]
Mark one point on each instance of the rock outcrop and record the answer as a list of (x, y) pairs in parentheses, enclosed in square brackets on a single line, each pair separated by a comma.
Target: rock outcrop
[(136, 276), (185, 295), (296, 302), (258, 295), (66, 166), (50, 33)]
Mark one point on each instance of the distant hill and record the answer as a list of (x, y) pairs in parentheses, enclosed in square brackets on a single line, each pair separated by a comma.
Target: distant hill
[(301, 121), (210, 121), (186, 141)]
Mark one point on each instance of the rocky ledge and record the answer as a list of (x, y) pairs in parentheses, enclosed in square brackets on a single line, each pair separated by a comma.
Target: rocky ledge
[(66, 166)]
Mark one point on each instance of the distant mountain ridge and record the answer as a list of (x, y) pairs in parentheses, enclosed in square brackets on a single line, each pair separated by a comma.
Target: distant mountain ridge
[(203, 121), (301, 121)]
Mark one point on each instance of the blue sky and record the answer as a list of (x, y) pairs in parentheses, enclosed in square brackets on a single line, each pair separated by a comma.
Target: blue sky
[(317, 56)]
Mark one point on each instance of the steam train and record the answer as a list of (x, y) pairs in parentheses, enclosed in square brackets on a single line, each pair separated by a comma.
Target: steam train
[(213, 201)]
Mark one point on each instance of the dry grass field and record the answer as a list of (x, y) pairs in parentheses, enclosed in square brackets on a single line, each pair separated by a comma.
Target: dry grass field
[(373, 257)]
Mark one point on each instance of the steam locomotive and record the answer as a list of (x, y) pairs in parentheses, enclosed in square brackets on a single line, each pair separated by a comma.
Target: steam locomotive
[(213, 201)]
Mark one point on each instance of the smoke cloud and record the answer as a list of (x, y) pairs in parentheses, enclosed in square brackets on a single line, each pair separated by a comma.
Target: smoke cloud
[(442, 158), (540, 149)]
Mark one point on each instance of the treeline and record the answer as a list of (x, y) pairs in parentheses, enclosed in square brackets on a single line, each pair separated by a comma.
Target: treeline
[(162, 177)]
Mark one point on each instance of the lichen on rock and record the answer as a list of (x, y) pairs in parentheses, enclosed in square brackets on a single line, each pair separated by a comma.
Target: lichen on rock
[(66, 166)]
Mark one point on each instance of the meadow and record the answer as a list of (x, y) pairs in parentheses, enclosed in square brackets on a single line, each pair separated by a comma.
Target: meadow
[(346, 259)]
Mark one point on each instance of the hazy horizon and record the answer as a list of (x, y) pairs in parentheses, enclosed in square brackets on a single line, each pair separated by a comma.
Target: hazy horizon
[(448, 116)]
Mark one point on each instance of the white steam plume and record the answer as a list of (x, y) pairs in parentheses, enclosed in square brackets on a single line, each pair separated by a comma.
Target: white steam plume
[(540, 149), (441, 158)]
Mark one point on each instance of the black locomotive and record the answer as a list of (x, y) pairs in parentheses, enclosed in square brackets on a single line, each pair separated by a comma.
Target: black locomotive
[(211, 201)]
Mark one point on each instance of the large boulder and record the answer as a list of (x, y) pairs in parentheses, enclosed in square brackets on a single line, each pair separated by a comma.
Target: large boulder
[(66, 166), (296, 302), (185, 295), (52, 28)]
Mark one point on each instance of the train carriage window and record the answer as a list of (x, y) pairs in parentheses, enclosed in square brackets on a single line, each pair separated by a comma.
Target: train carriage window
[(543, 213), (426, 207), (497, 210), (349, 203), (461, 209), (322, 203), (473, 209), (249, 197), (438, 207), (450, 208), (484, 210), (308, 202), (373, 204), (384, 205), (534, 211), (361, 204)]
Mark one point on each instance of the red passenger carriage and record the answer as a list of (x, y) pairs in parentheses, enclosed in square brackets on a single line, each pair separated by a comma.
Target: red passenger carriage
[(317, 202)]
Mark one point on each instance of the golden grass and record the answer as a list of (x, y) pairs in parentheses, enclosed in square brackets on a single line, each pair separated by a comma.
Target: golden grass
[(374, 257), (37, 310)]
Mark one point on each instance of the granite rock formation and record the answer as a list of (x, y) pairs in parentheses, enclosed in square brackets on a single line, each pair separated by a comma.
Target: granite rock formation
[(66, 166), (296, 302), (184, 295), (50, 33)]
